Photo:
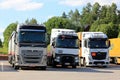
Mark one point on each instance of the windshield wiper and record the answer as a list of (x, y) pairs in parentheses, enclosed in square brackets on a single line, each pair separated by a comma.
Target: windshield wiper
[(39, 42), (26, 41)]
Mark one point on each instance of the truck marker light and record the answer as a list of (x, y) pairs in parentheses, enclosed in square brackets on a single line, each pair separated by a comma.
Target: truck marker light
[(93, 54)]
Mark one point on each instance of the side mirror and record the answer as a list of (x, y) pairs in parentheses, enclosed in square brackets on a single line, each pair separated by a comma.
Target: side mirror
[(15, 42), (15, 39), (53, 44), (80, 43)]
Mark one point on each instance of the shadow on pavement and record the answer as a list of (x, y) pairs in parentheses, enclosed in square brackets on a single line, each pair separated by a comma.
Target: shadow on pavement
[(80, 69), (8, 68)]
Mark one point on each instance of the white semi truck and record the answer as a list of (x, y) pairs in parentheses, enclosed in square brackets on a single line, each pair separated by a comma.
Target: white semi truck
[(94, 49), (64, 48), (27, 47)]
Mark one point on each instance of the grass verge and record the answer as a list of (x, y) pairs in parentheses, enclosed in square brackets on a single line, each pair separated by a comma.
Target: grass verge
[(3, 50)]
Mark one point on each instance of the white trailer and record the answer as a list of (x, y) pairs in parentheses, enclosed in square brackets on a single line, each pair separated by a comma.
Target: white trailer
[(27, 47), (94, 49), (64, 48)]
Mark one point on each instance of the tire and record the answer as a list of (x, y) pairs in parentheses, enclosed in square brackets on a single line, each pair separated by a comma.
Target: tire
[(15, 67), (64, 66), (10, 60), (115, 60), (74, 66), (84, 63), (54, 65), (43, 68)]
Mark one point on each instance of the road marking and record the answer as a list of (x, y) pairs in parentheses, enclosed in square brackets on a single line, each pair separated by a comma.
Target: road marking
[(2, 67)]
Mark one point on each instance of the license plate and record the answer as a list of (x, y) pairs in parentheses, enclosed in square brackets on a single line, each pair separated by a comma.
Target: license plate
[(67, 63), (99, 64), (32, 65)]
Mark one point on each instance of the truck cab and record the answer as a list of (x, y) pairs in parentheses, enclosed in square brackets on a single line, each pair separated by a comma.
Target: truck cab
[(27, 47), (64, 48), (94, 49)]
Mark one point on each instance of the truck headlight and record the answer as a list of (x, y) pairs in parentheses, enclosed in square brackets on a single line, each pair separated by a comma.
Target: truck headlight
[(58, 57), (76, 59)]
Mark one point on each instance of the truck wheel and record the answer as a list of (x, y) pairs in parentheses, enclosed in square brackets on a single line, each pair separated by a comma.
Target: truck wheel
[(43, 68), (49, 61), (10, 60), (115, 60), (15, 67), (74, 66), (64, 66), (54, 65), (84, 63)]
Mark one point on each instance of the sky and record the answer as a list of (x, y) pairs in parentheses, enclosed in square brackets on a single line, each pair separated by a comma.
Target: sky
[(21, 10)]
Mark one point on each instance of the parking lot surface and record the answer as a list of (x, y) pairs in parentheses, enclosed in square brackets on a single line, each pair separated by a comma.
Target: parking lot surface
[(80, 73)]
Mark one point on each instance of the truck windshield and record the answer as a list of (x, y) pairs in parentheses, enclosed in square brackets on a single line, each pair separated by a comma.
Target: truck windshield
[(67, 42), (97, 43), (31, 37)]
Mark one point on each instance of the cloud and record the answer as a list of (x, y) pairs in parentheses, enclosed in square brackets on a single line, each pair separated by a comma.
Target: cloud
[(73, 2), (21, 5), (107, 2), (76, 3)]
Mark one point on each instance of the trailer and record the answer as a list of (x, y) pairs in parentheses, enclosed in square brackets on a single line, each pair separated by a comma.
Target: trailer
[(115, 51)]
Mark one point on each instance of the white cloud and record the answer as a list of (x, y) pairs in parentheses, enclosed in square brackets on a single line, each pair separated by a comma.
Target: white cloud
[(73, 2), (84, 2), (107, 2), (20, 4)]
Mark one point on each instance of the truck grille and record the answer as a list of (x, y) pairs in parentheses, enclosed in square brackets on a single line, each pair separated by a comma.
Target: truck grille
[(67, 59), (100, 56), (32, 56)]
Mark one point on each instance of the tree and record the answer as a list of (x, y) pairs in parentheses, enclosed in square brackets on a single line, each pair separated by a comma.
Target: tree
[(114, 13), (70, 14), (118, 17), (86, 16), (103, 12), (1, 43), (64, 15), (8, 31), (75, 19), (119, 31), (112, 30), (27, 21), (58, 22), (31, 22), (95, 11)]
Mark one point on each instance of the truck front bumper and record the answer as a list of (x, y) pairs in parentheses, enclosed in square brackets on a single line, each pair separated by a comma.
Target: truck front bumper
[(98, 63), (30, 65)]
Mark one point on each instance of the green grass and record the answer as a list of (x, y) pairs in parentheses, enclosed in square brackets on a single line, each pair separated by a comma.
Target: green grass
[(3, 50)]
